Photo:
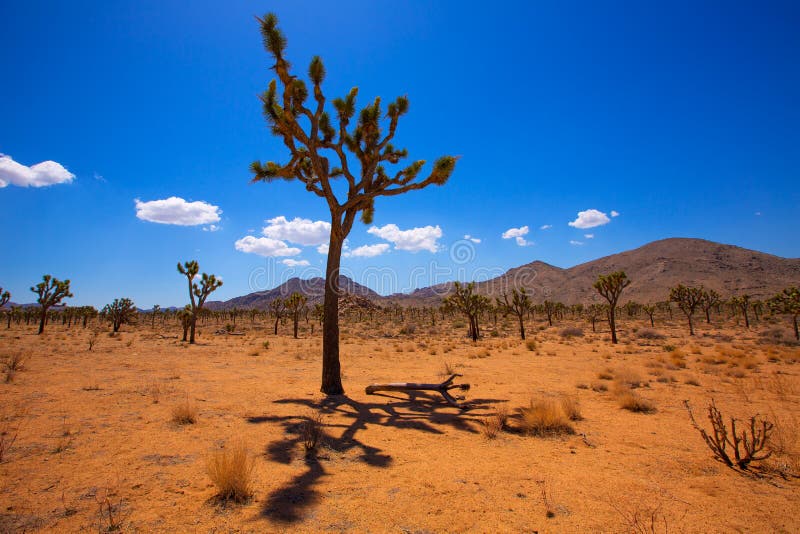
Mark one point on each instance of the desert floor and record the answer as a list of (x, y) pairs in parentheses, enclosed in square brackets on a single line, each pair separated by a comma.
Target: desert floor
[(94, 428)]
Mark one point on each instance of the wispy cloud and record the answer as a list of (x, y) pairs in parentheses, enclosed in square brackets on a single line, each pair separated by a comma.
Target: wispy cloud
[(545, 227), (265, 246), (577, 243), (412, 240), (289, 262), (368, 251), (473, 239), (518, 234), (589, 219)]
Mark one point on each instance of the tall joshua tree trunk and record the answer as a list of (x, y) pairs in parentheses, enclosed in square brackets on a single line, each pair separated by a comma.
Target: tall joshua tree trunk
[(331, 368)]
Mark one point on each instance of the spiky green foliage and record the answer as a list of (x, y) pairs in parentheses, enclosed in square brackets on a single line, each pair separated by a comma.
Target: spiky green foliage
[(295, 305), (610, 287), (741, 303), (328, 143), (594, 312), (277, 307), (709, 300), (466, 301), (50, 292), (518, 306), (121, 311), (5, 296), (197, 293), (688, 299), (788, 302), (185, 316)]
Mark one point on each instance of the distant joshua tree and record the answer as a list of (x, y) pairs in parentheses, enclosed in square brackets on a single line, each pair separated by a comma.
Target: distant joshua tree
[(709, 300), (550, 309), (5, 296), (518, 306), (788, 302), (121, 311), (593, 311), (154, 313), (321, 152), (688, 299), (465, 300), (295, 305), (185, 315), (278, 308), (610, 286), (51, 291), (742, 304), (650, 310), (208, 284)]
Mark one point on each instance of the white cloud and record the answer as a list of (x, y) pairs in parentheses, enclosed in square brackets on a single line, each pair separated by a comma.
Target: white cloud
[(368, 251), (545, 227), (758, 214), (211, 228), (516, 232), (413, 240), (175, 210), (323, 248), (39, 175), (265, 246), (614, 213), (589, 219), (289, 262), (301, 231), (588, 236), (473, 239), (573, 242)]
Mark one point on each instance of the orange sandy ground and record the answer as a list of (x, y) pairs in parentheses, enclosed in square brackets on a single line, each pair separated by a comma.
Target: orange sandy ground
[(98, 423)]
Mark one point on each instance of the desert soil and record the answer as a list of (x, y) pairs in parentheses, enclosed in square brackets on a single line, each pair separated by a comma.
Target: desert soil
[(96, 425)]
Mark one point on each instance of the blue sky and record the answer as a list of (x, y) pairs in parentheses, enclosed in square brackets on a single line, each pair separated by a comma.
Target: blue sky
[(682, 117)]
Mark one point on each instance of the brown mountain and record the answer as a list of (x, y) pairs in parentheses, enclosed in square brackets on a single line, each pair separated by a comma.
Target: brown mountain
[(653, 269)]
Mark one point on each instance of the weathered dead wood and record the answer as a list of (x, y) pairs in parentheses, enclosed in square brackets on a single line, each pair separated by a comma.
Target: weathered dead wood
[(443, 389), (223, 332)]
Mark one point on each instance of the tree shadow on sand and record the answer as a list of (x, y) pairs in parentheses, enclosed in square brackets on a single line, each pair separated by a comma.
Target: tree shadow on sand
[(417, 411)]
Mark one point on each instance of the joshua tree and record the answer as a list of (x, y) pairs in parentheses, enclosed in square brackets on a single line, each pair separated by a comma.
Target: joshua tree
[(518, 307), (593, 311), (742, 304), (360, 155), (208, 283), (610, 286), (650, 310), (709, 300), (120, 312), (466, 301), (51, 291), (788, 301), (5, 296), (687, 299), (294, 305), (154, 313), (185, 315), (549, 308), (277, 307)]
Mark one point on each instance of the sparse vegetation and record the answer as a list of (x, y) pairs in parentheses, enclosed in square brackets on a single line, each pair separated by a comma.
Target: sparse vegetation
[(185, 412), (231, 471), (545, 417)]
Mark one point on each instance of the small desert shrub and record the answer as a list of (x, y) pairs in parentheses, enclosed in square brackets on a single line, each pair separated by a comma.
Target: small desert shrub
[(599, 387), (311, 432), (692, 382), (447, 369), (184, 413), (265, 345), (408, 329), (648, 333), (571, 331), (15, 362), (231, 471), (629, 378), (480, 354), (530, 344), (633, 402), (495, 423), (669, 348), (545, 417), (605, 375)]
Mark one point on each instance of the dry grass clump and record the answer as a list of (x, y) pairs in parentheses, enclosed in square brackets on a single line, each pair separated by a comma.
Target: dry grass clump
[(545, 417), (633, 402), (311, 432), (495, 423), (184, 413), (13, 364), (571, 407), (231, 470), (571, 331), (649, 333), (530, 344)]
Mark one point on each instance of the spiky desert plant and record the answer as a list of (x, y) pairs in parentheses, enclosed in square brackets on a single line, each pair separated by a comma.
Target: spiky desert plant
[(294, 305), (321, 152), (610, 287), (278, 308), (185, 316), (5, 296), (121, 311), (788, 302), (650, 311), (465, 300), (709, 300), (51, 291), (741, 304), (518, 306), (154, 312), (208, 284), (687, 299)]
